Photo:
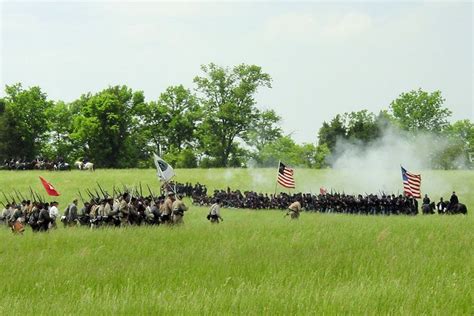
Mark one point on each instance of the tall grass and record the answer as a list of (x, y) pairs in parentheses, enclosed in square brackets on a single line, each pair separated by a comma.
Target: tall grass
[(255, 262)]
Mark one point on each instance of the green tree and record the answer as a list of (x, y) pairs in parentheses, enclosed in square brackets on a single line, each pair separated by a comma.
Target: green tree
[(172, 120), (105, 124), (60, 118), (229, 108), (25, 127), (321, 157), (266, 129), (331, 132), (361, 126), (418, 110), (283, 149)]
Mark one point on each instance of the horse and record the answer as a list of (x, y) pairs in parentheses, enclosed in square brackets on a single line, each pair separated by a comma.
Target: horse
[(428, 208), (458, 208), (62, 166), (84, 166)]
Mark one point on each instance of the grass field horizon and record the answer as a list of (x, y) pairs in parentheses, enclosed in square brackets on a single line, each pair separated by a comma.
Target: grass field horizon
[(255, 262)]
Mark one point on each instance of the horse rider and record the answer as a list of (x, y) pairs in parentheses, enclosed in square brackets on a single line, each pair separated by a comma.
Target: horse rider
[(454, 199), (441, 206), (426, 199)]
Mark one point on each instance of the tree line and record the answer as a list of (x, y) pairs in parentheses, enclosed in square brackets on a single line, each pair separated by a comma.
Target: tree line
[(216, 124)]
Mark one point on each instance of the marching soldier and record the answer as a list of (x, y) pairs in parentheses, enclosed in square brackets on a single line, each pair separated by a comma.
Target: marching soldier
[(53, 214), (178, 210), (167, 208), (70, 214), (215, 212)]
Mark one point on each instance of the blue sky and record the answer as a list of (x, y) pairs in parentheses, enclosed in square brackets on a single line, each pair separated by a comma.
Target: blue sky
[(324, 58)]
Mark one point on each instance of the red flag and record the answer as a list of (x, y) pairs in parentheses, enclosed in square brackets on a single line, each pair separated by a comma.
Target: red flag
[(49, 187)]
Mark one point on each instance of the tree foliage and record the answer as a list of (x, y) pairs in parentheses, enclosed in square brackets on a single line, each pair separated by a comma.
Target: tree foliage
[(24, 129), (105, 123), (228, 99), (419, 110)]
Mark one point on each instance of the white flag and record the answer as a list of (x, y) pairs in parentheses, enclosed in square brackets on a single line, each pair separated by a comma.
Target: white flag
[(163, 169)]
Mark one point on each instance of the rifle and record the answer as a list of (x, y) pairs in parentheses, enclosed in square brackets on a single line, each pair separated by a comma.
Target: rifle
[(100, 188), (151, 193), (141, 193), (80, 195), (91, 196), (32, 194), (6, 199)]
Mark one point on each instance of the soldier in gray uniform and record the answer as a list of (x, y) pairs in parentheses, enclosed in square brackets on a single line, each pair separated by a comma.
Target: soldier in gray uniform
[(215, 212)]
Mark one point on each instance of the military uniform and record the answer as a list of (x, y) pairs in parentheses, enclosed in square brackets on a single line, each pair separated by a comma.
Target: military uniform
[(294, 210), (215, 213), (178, 211), (167, 209)]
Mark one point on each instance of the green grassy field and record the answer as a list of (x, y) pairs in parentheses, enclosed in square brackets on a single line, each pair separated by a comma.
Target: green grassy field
[(255, 262)]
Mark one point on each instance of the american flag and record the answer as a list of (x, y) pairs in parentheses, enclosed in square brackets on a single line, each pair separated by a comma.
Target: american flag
[(411, 184), (285, 176)]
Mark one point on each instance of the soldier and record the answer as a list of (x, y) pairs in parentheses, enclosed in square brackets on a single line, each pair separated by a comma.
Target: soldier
[(53, 213), (426, 200), (70, 214), (294, 209), (123, 209), (453, 200), (6, 212), (215, 212), (441, 206), (167, 208), (178, 210), (44, 218)]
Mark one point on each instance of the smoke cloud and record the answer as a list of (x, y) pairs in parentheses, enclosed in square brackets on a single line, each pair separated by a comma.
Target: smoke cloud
[(375, 168)]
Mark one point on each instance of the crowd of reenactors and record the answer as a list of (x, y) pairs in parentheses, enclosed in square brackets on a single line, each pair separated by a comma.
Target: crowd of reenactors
[(131, 207), (367, 204), (39, 163)]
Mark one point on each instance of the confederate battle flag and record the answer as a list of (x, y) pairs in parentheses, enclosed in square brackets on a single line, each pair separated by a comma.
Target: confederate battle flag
[(49, 187)]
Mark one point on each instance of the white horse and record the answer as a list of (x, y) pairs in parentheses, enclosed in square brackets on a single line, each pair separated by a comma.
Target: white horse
[(84, 166)]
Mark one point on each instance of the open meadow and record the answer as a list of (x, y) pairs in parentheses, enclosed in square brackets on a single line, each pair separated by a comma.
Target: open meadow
[(255, 262)]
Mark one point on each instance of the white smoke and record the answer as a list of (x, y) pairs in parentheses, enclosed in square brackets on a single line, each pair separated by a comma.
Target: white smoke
[(375, 168)]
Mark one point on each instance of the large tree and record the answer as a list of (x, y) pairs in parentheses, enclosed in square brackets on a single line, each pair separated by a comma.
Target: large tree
[(419, 110), (172, 120), (331, 132), (266, 129), (228, 97), (23, 133), (105, 124)]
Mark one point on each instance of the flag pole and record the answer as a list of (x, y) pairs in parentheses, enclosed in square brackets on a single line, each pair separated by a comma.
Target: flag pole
[(276, 181)]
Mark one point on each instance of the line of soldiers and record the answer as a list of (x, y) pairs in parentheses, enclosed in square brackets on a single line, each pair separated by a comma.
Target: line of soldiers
[(127, 209), (38, 163), (39, 216), (123, 210), (369, 204)]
